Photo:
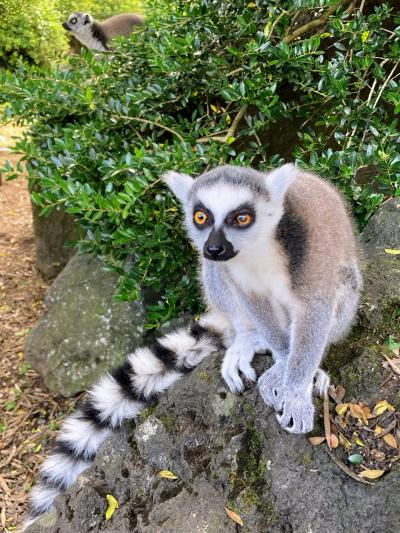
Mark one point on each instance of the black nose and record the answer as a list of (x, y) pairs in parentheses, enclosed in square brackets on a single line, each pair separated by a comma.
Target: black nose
[(215, 251), (65, 25)]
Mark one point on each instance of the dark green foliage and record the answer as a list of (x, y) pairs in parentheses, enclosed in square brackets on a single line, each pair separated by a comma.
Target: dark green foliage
[(102, 133)]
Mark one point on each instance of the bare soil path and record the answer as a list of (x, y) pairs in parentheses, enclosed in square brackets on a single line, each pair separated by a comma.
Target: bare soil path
[(29, 413)]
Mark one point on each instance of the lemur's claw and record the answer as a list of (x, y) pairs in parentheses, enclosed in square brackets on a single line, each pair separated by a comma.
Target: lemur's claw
[(271, 384), (297, 413), (238, 359)]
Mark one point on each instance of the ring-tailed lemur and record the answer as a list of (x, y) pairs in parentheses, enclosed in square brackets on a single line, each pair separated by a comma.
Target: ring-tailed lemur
[(280, 273), (97, 35)]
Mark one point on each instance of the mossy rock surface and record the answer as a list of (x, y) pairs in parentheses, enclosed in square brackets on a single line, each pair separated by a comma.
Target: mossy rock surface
[(84, 331)]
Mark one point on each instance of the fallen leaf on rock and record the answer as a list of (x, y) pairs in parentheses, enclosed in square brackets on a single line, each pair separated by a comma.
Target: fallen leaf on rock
[(112, 505), (390, 439), (358, 441), (234, 516), (167, 474), (316, 440), (382, 406), (377, 455), (345, 442), (371, 474), (357, 412), (341, 408), (356, 458), (334, 441), (340, 391), (391, 251)]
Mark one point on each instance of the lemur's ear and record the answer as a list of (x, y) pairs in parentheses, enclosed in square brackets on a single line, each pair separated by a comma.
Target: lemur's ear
[(86, 19), (279, 180), (180, 184)]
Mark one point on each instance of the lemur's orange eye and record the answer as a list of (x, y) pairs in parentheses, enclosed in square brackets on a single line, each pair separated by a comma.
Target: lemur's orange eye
[(244, 219), (200, 217)]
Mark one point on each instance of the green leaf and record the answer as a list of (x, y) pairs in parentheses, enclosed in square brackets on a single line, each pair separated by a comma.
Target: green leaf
[(356, 459)]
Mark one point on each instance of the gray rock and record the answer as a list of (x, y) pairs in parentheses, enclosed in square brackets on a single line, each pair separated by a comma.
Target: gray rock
[(239, 459), (52, 235), (383, 229), (84, 331), (228, 451), (381, 270)]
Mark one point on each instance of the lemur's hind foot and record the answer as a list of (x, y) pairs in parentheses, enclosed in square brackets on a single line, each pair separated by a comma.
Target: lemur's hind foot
[(321, 383)]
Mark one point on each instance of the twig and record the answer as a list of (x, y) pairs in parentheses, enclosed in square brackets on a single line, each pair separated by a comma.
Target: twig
[(236, 71), (387, 430), (152, 123), (231, 131), (327, 422), (393, 366), (274, 24), (361, 6), (385, 84), (315, 23), (345, 468)]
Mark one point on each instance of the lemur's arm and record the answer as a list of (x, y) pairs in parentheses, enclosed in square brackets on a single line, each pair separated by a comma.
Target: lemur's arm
[(249, 337), (289, 388)]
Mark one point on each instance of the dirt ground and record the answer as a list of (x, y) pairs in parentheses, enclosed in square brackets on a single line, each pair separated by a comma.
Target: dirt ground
[(30, 414)]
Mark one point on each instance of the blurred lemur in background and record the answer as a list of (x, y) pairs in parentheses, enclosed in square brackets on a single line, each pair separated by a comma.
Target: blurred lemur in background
[(97, 35), (280, 273)]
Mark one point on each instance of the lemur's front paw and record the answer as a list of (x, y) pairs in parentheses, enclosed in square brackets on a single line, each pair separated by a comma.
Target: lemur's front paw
[(238, 358), (297, 412), (270, 385)]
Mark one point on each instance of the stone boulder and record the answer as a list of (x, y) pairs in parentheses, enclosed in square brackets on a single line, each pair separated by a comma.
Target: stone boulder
[(228, 451), (84, 331), (52, 234)]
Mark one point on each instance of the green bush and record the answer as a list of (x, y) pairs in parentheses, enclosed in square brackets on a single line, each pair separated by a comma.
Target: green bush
[(100, 9), (210, 82), (32, 32)]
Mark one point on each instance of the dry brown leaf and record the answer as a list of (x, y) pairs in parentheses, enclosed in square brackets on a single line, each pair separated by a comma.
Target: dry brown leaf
[(341, 408), (344, 442), (167, 474), (371, 474), (234, 516), (334, 441), (357, 412), (340, 392), (377, 455), (367, 411), (378, 430), (390, 439), (316, 440)]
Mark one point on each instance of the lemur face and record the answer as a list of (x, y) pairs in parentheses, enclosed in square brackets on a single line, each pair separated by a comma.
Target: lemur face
[(77, 21), (231, 210)]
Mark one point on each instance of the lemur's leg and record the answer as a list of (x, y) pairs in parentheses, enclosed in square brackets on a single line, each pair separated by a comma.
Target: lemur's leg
[(309, 337)]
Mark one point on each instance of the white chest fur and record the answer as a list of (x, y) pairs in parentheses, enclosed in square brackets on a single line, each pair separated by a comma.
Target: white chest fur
[(266, 277)]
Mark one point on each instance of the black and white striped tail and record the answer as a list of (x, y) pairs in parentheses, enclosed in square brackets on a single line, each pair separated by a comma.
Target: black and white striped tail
[(117, 397)]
